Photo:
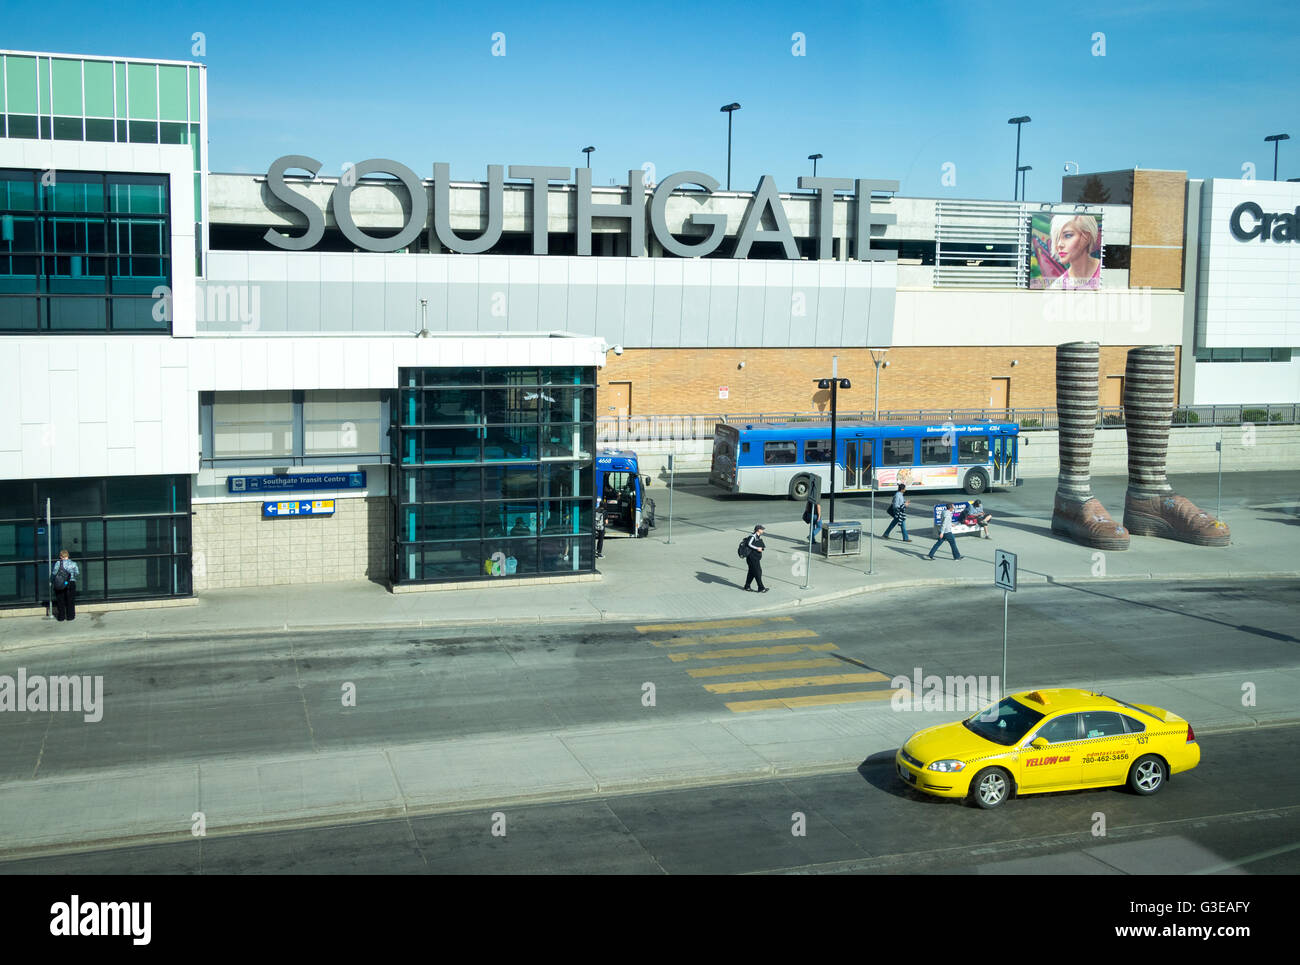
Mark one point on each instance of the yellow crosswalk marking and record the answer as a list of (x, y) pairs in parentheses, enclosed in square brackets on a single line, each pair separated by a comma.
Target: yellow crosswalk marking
[(712, 624), (813, 700), (736, 638), (824, 680), (740, 668), (751, 652)]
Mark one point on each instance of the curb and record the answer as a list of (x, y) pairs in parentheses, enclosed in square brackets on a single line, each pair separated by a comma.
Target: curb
[(607, 616)]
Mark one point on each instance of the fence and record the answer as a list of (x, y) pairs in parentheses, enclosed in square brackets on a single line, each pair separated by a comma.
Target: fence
[(612, 430)]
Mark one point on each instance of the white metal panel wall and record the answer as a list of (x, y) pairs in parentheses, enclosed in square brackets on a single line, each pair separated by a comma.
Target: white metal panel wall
[(1247, 292), (126, 405)]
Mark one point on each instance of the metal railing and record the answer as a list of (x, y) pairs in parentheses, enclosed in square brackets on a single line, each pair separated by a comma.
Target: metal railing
[(612, 430)]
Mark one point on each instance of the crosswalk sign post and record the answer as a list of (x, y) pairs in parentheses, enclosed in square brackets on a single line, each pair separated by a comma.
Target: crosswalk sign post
[(1004, 577)]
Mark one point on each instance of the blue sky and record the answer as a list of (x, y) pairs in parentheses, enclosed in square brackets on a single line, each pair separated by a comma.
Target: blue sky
[(885, 90)]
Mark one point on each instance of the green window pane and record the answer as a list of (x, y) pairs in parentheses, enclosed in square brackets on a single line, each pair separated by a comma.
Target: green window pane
[(99, 89), (194, 94), (22, 125), (171, 132), (20, 78), (173, 94), (67, 87), (142, 90), (119, 86), (43, 74), (196, 143)]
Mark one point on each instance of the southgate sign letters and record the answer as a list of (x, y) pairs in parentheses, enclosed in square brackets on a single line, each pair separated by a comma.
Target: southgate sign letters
[(766, 201)]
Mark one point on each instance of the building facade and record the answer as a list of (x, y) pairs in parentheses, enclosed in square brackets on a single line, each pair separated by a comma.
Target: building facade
[(218, 380)]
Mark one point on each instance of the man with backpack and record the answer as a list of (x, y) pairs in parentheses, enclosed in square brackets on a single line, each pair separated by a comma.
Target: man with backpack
[(751, 548), (898, 510), (63, 581)]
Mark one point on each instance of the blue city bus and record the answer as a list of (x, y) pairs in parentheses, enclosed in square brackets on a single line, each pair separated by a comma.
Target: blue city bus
[(780, 458)]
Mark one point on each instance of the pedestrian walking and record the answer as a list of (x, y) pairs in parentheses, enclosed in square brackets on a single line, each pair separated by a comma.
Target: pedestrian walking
[(598, 522), (945, 533), (63, 581), (898, 510), (813, 516), (754, 558)]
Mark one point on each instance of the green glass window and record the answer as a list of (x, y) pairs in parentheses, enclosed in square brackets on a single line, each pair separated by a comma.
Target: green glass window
[(20, 85), (142, 92), (67, 87), (173, 93), (98, 88)]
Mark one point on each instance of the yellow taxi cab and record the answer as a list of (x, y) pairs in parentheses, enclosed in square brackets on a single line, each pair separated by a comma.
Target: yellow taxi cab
[(1049, 740)]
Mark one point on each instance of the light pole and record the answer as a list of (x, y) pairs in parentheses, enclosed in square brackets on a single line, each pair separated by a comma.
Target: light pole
[(1018, 121), (817, 157), (834, 383), (729, 109), (879, 359), (1275, 138), (587, 151), (1021, 170)]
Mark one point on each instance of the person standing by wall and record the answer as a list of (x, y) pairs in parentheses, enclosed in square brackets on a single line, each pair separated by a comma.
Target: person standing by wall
[(598, 522), (945, 533), (898, 510), (755, 559), (63, 581)]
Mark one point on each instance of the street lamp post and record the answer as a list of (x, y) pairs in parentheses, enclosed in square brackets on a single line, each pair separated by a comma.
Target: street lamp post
[(729, 109), (587, 151), (834, 383), (1275, 138), (879, 360), (814, 158), (1024, 177), (1018, 121)]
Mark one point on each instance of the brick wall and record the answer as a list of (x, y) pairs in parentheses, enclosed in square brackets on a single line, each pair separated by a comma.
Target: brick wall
[(680, 381), (234, 546)]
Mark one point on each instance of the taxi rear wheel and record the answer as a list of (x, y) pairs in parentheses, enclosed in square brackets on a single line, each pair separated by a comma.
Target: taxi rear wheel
[(990, 787), (1147, 775)]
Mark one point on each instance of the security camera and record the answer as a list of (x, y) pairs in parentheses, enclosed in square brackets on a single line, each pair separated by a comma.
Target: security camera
[(741, 365), (618, 350)]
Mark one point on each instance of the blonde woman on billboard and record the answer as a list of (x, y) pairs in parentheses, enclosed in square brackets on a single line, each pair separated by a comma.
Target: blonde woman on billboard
[(1076, 242)]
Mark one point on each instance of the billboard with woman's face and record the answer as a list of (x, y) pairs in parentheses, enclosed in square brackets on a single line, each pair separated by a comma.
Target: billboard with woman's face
[(1065, 251)]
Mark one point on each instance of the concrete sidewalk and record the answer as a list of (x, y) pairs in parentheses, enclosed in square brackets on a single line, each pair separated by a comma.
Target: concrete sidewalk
[(158, 804), (698, 576)]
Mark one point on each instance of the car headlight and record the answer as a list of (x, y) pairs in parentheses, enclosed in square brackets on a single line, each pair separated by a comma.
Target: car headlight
[(947, 766)]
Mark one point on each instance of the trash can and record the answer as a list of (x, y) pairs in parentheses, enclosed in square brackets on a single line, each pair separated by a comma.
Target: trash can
[(841, 539)]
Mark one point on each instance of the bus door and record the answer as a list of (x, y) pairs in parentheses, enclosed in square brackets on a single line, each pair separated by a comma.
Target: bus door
[(857, 463), (1004, 461)]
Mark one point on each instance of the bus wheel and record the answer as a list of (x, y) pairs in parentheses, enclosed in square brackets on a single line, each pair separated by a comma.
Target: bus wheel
[(799, 487), (977, 481)]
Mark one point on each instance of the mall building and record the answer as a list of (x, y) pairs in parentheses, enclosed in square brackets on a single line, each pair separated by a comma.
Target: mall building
[(219, 380)]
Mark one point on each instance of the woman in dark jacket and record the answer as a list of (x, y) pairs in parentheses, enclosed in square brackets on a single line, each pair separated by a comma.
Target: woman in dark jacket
[(755, 559)]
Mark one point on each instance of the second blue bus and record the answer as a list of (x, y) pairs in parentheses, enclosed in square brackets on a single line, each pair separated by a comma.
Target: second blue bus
[(776, 459)]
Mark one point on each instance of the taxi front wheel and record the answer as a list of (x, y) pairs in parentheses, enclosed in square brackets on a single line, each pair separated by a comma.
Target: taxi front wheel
[(990, 787), (1147, 775)]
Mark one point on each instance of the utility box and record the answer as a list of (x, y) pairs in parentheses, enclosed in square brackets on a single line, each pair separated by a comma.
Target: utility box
[(842, 539)]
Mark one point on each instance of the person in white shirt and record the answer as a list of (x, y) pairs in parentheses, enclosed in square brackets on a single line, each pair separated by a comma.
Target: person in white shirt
[(945, 533)]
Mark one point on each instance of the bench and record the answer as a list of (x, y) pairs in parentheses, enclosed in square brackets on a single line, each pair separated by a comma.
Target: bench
[(958, 528)]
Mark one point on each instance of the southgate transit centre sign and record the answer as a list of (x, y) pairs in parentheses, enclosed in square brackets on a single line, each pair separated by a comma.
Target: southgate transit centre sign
[(766, 200)]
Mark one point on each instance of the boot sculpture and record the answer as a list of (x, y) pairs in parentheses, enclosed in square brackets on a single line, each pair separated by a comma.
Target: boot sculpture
[(1077, 513), (1151, 507)]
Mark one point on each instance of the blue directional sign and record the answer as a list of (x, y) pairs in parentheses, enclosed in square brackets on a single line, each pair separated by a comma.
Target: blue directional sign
[(298, 507), (297, 482)]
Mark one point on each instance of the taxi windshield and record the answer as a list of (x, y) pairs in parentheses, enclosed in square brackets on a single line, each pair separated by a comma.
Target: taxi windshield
[(1004, 723)]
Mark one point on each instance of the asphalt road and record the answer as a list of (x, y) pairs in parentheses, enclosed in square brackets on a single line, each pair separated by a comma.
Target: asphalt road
[(1236, 813), (186, 701)]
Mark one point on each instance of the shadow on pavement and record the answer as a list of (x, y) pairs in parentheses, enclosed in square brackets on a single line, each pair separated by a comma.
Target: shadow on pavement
[(1244, 628), (711, 578)]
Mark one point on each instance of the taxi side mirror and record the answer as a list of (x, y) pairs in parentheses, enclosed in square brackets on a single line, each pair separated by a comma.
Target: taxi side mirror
[(1039, 743)]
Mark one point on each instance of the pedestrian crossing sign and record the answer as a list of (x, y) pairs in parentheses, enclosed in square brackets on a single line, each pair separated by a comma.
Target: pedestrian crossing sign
[(1004, 570)]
